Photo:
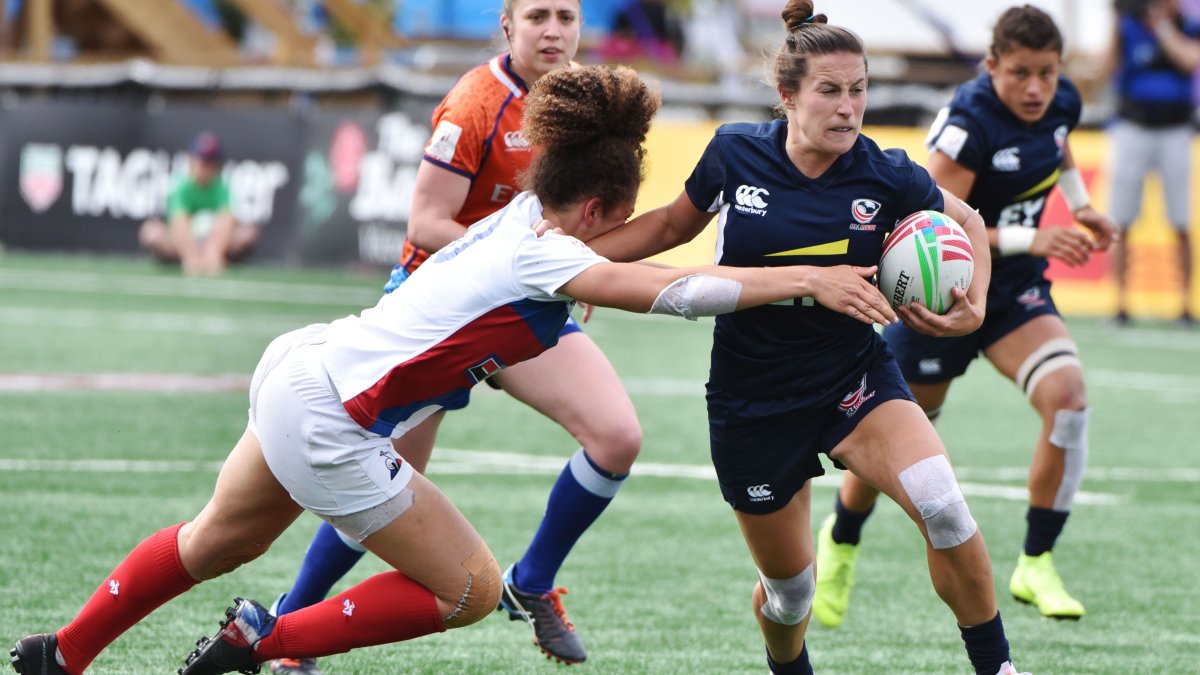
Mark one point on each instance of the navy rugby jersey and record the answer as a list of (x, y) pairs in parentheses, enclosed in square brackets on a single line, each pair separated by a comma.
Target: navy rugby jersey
[(1016, 164), (778, 357)]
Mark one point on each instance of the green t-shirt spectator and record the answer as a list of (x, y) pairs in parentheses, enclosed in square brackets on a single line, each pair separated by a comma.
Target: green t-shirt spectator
[(199, 202)]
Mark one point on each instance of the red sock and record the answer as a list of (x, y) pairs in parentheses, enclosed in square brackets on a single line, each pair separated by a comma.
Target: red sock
[(149, 576), (386, 608)]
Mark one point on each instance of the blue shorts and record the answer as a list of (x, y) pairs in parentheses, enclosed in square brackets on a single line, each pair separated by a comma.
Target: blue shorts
[(399, 275), (762, 462), (925, 359)]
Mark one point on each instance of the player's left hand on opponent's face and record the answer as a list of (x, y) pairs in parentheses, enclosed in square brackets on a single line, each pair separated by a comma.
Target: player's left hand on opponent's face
[(962, 318), (1102, 229)]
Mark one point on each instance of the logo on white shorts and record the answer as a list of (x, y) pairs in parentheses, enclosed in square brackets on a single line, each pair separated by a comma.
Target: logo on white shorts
[(392, 463), (760, 493), (750, 200)]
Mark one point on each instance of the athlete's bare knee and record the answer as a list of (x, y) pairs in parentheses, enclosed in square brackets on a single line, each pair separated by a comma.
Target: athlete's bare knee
[(616, 448), (482, 591)]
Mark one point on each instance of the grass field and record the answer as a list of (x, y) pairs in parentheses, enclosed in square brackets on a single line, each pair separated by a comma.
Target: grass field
[(90, 465)]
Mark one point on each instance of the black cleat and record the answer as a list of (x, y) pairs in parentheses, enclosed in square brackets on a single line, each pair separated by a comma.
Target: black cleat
[(544, 612), (37, 655), (232, 648)]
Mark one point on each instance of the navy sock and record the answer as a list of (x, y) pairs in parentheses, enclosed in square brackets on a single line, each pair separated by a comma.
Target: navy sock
[(327, 560), (986, 646), (1044, 527), (800, 666), (581, 493), (847, 526)]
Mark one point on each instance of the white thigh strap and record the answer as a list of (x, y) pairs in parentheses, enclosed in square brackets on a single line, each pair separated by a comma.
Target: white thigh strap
[(1052, 355)]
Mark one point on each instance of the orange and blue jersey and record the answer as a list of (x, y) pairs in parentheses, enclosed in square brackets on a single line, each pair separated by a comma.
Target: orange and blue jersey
[(477, 134)]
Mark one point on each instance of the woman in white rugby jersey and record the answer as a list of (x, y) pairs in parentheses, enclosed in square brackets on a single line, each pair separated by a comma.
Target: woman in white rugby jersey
[(326, 400)]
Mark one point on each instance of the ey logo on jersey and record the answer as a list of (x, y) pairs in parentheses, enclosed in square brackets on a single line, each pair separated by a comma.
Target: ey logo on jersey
[(750, 200), (863, 211), (855, 399)]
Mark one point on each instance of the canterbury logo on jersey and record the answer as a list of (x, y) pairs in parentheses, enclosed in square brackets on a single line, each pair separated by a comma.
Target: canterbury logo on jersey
[(760, 493), (515, 140), (1007, 159), (749, 200)]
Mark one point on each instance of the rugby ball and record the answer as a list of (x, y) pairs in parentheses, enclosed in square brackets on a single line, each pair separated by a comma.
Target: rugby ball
[(925, 256)]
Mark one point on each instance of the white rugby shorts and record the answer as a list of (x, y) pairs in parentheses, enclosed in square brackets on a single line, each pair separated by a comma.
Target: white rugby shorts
[(324, 459)]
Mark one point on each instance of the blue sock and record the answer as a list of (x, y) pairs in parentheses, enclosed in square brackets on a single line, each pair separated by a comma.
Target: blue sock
[(986, 646), (578, 497), (800, 666), (327, 560), (1044, 527), (847, 526)]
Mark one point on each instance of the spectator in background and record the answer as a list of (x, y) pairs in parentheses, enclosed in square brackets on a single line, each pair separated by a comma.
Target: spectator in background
[(200, 231), (1155, 52), (645, 29)]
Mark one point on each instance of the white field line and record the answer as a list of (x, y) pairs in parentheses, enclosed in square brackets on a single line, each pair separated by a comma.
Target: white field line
[(478, 462), (184, 287), (1172, 388)]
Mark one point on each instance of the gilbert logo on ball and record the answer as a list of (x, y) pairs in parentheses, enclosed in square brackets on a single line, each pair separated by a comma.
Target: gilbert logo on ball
[(925, 256)]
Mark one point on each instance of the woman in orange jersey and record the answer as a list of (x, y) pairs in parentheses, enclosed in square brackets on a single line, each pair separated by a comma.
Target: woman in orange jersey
[(469, 171)]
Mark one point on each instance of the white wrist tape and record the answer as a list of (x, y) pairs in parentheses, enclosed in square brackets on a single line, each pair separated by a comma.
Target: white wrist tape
[(1073, 189), (698, 295), (1014, 239)]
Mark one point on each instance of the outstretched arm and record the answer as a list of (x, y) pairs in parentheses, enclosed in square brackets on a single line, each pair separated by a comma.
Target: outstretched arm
[(714, 289)]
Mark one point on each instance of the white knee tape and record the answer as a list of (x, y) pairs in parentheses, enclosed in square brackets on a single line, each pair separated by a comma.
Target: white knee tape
[(350, 542), (1052, 355), (931, 486), (1070, 433), (789, 600)]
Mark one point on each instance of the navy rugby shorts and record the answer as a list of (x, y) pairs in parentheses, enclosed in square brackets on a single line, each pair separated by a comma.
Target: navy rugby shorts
[(762, 462)]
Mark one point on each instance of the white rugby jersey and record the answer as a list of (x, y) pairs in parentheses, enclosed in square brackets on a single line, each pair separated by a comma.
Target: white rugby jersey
[(482, 303)]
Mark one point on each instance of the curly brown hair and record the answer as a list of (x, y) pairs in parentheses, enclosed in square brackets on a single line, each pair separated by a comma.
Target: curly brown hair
[(588, 125)]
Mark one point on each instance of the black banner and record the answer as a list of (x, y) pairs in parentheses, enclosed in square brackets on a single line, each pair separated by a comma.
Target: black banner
[(326, 186)]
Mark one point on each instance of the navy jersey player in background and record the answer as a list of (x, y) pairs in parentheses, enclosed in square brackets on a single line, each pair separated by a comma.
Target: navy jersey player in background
[(791, 381), (1002, 145)]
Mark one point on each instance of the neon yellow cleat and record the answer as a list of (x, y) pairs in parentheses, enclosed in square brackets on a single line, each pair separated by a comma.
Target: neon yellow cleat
[(835, 576), (1036, 582)]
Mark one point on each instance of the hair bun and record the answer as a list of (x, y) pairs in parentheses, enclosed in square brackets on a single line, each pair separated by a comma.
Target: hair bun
[(800, 13)]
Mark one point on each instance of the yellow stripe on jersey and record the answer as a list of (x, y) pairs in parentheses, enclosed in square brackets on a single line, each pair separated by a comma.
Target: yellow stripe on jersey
[(832, 248), (1047, 183)]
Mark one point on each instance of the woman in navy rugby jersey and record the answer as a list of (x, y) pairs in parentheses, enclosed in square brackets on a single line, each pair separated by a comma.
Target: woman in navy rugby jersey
[(1002, 145), (789, 382)]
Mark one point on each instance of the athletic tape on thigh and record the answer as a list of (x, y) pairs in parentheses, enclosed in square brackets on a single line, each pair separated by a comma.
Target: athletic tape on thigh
[(788, 600), (698, 295), (359, 526), (1070, 434), (1052, 355), (349, 541), (931, 486)]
